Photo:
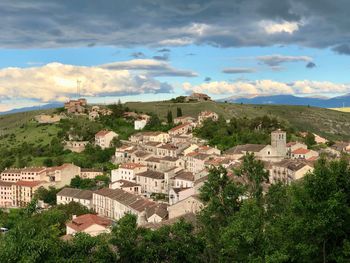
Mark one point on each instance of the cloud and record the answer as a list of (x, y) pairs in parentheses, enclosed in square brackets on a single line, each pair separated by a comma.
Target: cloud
[(163, 50), (343, 49), (238, 70), (207, 79), (222, 23), (276, 60), (310, 65), (164, 57), (267, 87), (138, 55), (272, 27), (150, 67), (58, 82)]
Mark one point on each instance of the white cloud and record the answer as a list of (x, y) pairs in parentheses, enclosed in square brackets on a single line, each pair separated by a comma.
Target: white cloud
[(272, 27), (58, 82), (267, 87)]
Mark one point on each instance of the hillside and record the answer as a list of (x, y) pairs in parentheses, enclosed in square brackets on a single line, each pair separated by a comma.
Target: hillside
[(332, 124)]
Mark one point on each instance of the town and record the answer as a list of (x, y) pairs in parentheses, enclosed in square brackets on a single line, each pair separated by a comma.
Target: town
[(158, 175)]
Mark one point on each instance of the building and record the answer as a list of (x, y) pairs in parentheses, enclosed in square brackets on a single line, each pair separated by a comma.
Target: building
[(104, 138), (292, 146), (139, 124), (23, 191), (59, 176), (115, 203), (195, 162), (289, 170), (67, 195), (127, 186), (279, 142), (183, 120), (90, 224), (191, 204), (305, 154), (205, 115), (180, 129), (90, 173), (151, 182), (75, 146), (127, 171), (76, 106), (11, 175), (197, 97), (156, 136), (6, 194), (183, 179), (178, 194)]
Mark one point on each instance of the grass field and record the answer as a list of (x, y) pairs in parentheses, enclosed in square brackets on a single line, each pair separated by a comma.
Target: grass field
[(332, 124)]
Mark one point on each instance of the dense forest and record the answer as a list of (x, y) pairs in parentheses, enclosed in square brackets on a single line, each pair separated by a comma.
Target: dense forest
[(307, 221)]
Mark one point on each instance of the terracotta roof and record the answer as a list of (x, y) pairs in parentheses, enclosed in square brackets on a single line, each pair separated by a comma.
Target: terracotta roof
[(152, 174), (301, 151), (29, 183), (131, 166), (159, 209), (141, 154), (102, 133), (6, 184), (153, 159), (293, 165), (179, 127), (15, 170), (83, 222), (169, 159), (168, 146)]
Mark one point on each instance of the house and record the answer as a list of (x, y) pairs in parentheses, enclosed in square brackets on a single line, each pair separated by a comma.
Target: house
[(306, 154), (76, 106), (104, 138), (6, 194), (151, 182), (115, 203), (178, 194), (143, 137), (197, 97), (67, 195), (204, 115), (292, 146), (59, 176), (338, 148), (127, 171), (195, 162), (153, 163), (93, 115), (11, 175), (90, 173), (23, 191), (183, 120), (139, 124), (75, 146), (180, 129), (289, 170), (191, 204), (127, 186), (90, 224), (122, 154), (168, 149), (183, 179)]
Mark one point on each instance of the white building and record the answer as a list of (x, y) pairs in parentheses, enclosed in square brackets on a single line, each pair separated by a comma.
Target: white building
[(104, 138), (139, 124)]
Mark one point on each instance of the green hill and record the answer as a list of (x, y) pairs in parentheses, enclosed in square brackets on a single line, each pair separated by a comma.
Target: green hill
[(329, 123)]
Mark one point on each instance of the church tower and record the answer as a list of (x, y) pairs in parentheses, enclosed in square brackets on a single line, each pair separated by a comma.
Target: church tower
[(279, 142)]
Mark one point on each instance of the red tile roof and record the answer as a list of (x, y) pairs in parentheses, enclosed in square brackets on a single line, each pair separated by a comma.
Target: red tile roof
[(179, 127), (301, 151), (102, 133), (82, 222)]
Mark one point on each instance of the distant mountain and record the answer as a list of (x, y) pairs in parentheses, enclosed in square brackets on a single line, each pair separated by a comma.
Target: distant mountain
[(33, 108), (321, 102)]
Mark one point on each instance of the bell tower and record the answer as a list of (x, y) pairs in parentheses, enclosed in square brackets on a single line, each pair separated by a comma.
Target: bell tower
[(279, 142)]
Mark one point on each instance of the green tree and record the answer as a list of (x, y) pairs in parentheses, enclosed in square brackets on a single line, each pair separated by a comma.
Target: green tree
[(310, 139), (170, 117), (178, 112)]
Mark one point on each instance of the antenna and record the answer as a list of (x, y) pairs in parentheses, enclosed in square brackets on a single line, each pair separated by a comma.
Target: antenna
[(78, 88)]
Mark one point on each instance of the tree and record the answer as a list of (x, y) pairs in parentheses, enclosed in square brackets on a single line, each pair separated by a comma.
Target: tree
[(47, 195), (178, 112), (170, 117), (310, 139)]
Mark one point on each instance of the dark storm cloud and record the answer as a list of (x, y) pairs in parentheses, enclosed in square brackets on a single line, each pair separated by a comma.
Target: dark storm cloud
[(164, 57), (311, 65), (157, 23)]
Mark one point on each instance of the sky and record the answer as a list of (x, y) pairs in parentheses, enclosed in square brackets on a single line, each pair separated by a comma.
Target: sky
[(158, 49)]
